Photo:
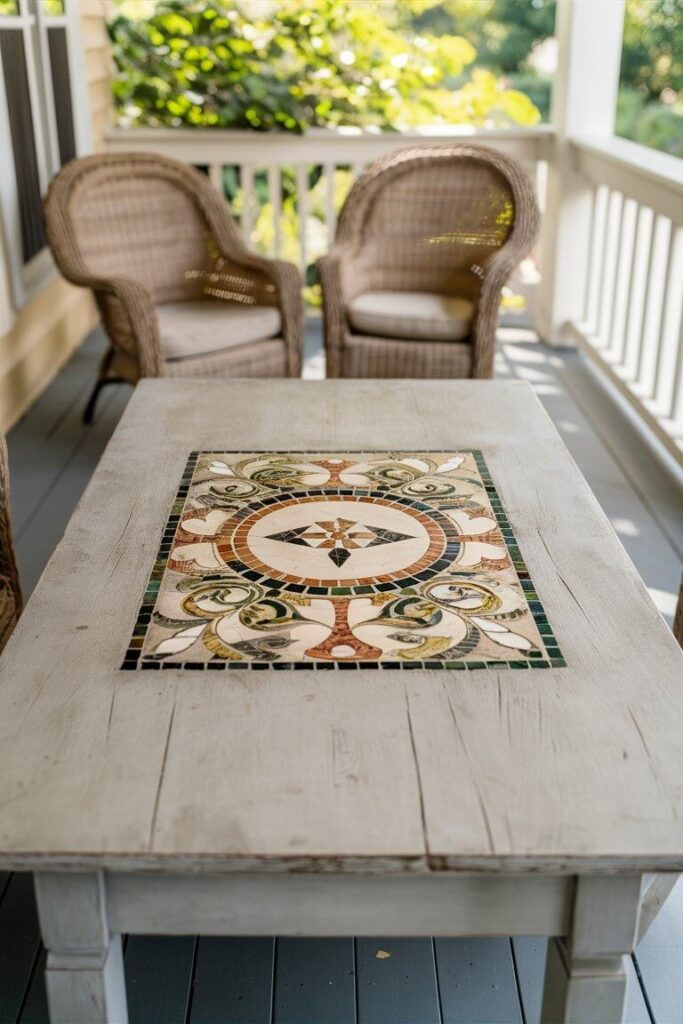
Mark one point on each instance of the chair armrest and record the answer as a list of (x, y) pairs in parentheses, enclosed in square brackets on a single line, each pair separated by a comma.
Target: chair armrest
[(286, 283), (334, 313), (498, 270), (139, 308), (283, 276), (487, 311), (340, 282)]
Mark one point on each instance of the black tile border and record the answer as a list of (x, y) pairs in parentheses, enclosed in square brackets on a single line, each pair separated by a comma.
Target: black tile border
[(132, 661)]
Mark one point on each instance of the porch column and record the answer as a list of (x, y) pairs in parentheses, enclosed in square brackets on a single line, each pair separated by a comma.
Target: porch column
[(589, 34)]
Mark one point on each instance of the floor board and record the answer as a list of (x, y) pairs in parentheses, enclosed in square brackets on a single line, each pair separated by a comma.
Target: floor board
[(19, 945), (47, 521), (628, 448), (35, 1006), (315, 980), (529, 955), (159, 971), (635, 515), (399, 988), (293, 981), (45, 438), (477, 981), (233, 981), (660, 961)]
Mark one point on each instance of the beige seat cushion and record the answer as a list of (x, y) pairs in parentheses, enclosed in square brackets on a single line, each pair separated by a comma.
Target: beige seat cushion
[(411, 315), (205, 326)]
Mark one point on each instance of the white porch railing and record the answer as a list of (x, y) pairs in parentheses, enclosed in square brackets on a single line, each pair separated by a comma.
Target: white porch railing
[(313, 172), (632, 254), (632, 323)]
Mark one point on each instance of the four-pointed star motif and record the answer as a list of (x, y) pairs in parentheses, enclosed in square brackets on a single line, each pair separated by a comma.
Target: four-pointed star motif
[(340, 537)]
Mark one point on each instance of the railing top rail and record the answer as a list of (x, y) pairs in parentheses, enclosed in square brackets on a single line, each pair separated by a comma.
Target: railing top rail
[(350, 133), (660, 168), (318, 145)]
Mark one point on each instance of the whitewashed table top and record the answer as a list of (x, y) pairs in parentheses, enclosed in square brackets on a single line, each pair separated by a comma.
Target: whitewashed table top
[(575, 768)]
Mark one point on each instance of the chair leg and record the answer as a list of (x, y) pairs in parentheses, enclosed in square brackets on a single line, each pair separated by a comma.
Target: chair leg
[(103, 378), (89, 412)]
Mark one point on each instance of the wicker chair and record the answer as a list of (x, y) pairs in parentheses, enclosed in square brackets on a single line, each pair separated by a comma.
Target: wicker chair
[(426, 240), (179, 292), (10, 590)]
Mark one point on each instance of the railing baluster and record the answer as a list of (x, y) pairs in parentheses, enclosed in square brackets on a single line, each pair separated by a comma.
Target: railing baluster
[(540, 179), (595, 259), (216, 177), (677, 404), (667, 350), (617, 338), (275, 200), (642, 254), (302, 207), (247, 183), (653, 308), (609, 269)]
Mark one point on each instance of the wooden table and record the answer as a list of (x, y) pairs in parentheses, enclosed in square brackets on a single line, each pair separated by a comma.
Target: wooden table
[(485, 802)]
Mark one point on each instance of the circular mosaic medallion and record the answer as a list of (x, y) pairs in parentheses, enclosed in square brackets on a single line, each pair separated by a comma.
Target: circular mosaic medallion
[(339, 539)]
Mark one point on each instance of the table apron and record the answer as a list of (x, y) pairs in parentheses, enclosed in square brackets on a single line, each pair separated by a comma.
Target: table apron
[(328, 905)]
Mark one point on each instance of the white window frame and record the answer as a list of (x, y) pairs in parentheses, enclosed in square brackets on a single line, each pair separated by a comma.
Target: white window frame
[(24, 280)]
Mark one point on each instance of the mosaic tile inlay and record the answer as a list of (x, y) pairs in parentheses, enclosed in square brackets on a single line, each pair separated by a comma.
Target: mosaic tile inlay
[(294, 560)]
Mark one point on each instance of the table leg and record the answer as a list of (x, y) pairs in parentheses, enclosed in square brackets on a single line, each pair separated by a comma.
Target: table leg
[(84, 976), (585, 976)]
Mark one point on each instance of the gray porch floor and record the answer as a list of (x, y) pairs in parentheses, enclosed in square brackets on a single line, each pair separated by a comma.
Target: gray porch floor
[(342, 981)]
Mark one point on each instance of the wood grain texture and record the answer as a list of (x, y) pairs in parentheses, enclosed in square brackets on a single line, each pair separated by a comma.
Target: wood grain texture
[(325, 904), (605, 919), (564, 770), (87, 990), (655, 894), (530, 958), (72, 911), (582, 993), (84, 974), (586, 978)]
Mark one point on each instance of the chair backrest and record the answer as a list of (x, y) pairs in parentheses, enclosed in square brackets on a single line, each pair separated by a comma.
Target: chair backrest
[(10, 590), (429, 218), (136, 215)]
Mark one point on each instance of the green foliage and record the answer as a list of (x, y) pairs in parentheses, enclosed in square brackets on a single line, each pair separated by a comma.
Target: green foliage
[(503, 32), (650, 106), (650, 123), (390, 64), (652, 55), (295, 64)]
